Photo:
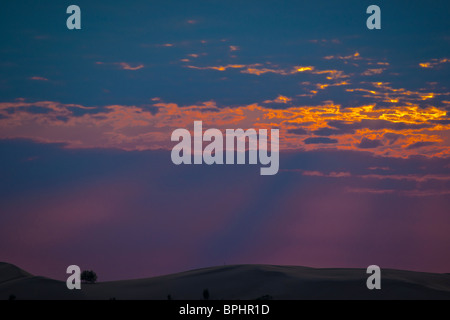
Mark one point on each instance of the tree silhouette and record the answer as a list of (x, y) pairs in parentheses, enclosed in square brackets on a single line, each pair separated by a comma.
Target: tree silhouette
[(89, 276), (206, 294)]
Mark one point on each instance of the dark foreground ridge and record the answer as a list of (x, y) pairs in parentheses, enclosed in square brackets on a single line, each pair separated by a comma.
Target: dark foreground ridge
[(235, 282)]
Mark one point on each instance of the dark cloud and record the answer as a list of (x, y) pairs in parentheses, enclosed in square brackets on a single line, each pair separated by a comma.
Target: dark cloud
[(298, 131), (420, 144), (369, 144), (441, 121), (319, 140), (392, 137), (328, 132)]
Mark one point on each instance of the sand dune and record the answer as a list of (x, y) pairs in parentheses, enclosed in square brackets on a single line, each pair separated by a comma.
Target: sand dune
[(25, 286), (10, 272), (236, 282)]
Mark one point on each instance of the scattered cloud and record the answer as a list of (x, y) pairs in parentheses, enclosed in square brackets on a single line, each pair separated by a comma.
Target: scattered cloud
[(127, 66), (371, 72), (393, 132), (279, 99), (318, 140), (434, 63), (420, 144), (38, 78), (355, 56), (219, 68), (369, 144), (122, 65), (299, 131)]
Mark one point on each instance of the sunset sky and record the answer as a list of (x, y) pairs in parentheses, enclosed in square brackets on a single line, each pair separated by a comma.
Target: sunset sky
[(86, 118)]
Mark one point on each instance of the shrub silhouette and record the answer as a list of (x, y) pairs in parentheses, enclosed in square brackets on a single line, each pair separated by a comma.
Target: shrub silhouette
[(89, 276), (206, 294), (12, 297)]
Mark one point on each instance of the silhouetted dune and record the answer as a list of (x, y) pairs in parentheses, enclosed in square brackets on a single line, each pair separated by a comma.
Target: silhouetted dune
[(237, 282), (24, 286), (10, 272)]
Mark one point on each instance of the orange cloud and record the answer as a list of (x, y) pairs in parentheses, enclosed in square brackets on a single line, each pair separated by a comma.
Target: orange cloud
[(220, 68), (322, 86), (433, 63), (384, 92), (258, 69), (126, 66), (302, 69), (355, 56), (371, 72), (122, 65), (399, 131), (279, 99), (38, 78), (332, 74)]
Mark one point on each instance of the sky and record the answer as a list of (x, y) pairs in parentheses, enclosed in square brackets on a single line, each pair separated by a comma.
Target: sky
[(86, 118)]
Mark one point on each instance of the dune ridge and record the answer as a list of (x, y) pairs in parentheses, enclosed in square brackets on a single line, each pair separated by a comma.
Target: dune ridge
[(235, 282)]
